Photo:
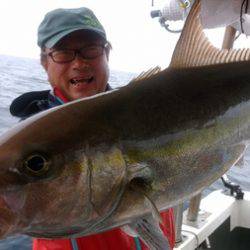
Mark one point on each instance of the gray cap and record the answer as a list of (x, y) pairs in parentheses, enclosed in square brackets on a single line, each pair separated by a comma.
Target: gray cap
[(61, 22)]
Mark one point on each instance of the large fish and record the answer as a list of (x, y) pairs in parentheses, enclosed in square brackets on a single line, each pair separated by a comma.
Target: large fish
[(107, 161)]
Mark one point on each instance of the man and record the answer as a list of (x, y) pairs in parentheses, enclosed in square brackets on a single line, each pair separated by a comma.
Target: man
[(75, 54)]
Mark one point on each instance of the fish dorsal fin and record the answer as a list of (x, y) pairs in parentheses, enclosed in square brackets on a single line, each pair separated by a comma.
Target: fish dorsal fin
[(194, 48), (146, 74)]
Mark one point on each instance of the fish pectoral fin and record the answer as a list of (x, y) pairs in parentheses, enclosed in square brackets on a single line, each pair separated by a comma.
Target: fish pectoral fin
[(141, 178), (194, 49), (149, 231), (154, 210), (129, 231)]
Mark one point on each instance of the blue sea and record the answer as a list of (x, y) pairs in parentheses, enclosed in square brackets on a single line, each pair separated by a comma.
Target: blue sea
[(20, 75)]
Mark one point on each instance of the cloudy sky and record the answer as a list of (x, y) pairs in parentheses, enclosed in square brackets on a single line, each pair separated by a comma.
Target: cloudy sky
[(139, 42)]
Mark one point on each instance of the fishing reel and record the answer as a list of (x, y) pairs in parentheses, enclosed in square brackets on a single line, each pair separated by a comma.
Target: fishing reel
[(174, 10)]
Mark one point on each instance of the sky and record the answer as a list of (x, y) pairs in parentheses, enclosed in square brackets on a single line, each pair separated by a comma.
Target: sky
[(138, 41)]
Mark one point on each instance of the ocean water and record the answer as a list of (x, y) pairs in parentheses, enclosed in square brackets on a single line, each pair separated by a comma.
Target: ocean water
[(20, 75)]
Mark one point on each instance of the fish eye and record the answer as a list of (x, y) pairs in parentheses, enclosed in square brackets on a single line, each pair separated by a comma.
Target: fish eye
[(36, 164)]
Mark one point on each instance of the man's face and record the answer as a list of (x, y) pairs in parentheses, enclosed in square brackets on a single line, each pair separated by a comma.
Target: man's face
[(81, 77)]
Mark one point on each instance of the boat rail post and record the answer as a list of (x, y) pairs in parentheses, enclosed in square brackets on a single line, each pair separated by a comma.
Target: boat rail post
[(178, 217), (194, 206), (229, 36)]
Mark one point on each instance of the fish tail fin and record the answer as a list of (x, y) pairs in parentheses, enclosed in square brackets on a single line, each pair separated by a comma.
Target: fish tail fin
[(194, 49)]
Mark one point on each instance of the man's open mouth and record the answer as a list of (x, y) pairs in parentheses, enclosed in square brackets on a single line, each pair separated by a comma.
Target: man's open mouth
[(76, 81)]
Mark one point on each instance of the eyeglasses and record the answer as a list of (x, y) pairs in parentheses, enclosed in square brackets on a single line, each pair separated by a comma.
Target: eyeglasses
[(69, 55)]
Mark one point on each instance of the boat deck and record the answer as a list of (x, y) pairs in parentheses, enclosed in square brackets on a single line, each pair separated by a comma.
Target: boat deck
[(223, 220)]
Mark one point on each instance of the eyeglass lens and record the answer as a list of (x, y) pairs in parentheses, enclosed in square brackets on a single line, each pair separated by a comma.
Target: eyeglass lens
[(68, 55)]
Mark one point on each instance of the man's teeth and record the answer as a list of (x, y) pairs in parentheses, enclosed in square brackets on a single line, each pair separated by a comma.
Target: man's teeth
[(76, 81)]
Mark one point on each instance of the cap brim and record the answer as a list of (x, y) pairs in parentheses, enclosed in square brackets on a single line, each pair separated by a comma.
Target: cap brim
[(56, 38)]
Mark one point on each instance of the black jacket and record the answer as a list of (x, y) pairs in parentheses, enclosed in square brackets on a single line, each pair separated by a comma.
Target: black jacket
[(31, 103)]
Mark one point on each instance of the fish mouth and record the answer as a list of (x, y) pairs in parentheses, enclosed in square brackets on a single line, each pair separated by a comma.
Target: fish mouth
[(81, 80)]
